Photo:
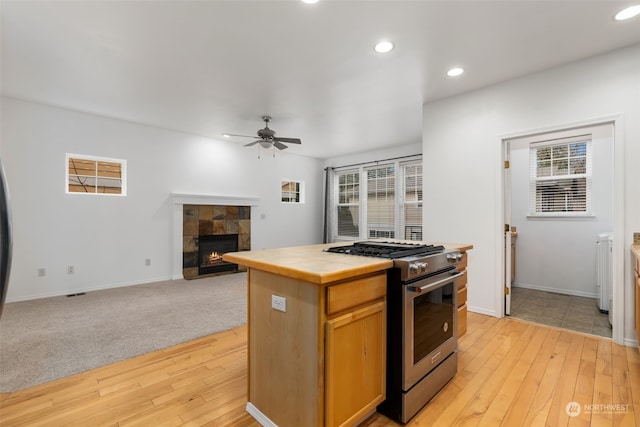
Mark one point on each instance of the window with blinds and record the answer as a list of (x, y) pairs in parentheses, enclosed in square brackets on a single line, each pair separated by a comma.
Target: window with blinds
[(381, 202), (411, 202), (348, 205), (95, 175), (385, 198), (560, 177)]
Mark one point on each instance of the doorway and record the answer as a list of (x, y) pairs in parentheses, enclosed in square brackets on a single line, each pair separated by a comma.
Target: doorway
[(558, 189)]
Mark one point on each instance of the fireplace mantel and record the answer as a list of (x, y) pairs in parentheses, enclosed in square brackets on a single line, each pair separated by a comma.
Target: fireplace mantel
[(208, 199), (181, 199)]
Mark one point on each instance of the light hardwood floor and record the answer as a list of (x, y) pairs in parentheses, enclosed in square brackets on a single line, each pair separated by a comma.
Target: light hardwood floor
[(510, 373)]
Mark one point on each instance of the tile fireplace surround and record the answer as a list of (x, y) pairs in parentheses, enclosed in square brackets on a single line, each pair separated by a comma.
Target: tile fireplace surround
[(198, 215)]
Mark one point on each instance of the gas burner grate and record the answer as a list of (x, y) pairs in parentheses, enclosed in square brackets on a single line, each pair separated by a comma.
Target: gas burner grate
[(390, 250)]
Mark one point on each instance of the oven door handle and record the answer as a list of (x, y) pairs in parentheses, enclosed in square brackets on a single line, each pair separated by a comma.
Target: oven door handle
[(435, 284)]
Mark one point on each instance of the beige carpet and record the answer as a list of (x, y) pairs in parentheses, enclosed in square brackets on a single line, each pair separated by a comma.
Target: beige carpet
[(45, 339)]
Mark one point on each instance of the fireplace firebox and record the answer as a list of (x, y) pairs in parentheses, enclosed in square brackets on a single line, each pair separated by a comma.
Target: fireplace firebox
[(210, 250)]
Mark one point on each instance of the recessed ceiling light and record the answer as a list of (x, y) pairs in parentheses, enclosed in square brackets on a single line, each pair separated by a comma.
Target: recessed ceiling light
[(628, 13), (455, 72), (226, 135), (383, 46), (309, 1)]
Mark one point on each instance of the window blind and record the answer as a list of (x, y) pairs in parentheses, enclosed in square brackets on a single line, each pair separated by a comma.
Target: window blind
[(381, 201), (411, 200)]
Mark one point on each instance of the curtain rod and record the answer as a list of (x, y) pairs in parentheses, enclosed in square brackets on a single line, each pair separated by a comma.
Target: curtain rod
[(374, 161)]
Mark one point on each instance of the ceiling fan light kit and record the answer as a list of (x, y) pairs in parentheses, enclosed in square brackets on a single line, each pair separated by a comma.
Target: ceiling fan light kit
[(267, 138)]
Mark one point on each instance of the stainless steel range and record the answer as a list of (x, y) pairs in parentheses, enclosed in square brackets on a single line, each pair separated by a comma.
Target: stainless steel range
[(422, 290)]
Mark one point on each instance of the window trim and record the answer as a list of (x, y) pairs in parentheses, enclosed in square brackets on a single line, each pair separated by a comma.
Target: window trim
[(123, 178)]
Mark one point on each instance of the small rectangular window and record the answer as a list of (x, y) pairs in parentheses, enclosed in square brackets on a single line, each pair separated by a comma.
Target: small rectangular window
[(292, 191), (95, 175), (560, 172)]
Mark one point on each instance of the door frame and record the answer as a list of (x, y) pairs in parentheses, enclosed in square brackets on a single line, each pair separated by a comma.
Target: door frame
[(506, 176), (617, 120)]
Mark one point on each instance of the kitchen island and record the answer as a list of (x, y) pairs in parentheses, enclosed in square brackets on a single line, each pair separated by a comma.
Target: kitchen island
[(317, 335)]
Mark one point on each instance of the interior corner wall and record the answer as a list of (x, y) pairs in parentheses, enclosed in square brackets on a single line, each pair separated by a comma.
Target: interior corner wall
[(108, 238), (462, 156)]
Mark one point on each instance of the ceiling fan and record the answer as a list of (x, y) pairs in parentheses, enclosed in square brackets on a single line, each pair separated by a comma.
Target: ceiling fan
[(267, 137)]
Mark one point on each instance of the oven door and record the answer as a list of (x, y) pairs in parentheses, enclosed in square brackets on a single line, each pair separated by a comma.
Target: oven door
[(430, 322)]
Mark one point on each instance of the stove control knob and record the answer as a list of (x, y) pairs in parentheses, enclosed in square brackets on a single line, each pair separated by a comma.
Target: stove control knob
[(422, 266), (455, 257), (413, 268)]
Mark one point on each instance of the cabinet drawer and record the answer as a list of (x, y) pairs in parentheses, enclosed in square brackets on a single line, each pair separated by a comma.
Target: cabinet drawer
[(354, 293), (462, 320), (462, 296), (462, 281)]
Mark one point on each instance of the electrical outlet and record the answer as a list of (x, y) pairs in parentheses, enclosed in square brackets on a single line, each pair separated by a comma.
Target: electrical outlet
[(279, 303), (42, 272), (147, 262), (70, 269)]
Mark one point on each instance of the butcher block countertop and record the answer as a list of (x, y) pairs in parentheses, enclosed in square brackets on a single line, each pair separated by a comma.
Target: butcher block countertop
[(312, 264)]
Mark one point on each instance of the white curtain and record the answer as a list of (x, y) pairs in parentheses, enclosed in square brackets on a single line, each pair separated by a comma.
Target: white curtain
[(329, 204)]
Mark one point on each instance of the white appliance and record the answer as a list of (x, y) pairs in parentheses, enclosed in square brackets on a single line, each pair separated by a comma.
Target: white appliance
[(604, 272)]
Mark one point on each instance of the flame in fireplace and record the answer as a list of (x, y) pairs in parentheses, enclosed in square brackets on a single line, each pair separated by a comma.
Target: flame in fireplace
[(214, 257)]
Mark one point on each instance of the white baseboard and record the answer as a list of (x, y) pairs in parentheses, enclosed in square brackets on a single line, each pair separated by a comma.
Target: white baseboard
[(259, 416), (555, 290), (86, 289), (491, 313)]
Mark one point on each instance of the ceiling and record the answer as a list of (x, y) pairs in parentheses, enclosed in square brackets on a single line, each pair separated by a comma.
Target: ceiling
[(210, 67)]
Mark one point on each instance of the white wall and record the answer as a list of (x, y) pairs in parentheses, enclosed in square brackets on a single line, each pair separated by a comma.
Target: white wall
[(107, 239), (462, 156), (559, 254)]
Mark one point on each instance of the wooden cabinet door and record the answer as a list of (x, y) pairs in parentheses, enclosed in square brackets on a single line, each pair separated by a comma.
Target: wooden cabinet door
[(355, 370)]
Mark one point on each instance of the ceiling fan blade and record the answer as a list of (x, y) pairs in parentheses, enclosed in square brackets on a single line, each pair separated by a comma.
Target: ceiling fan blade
[(288, 140), (252, 143), (279, 145), (233, 134)]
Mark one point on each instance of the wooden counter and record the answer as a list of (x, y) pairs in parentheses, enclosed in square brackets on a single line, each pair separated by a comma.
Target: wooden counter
[(312, 264), (317, 334), (309, 263)]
